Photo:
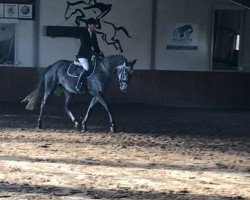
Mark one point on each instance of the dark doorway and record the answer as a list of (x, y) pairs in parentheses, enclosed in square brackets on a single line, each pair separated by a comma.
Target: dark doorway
[(227, 36)]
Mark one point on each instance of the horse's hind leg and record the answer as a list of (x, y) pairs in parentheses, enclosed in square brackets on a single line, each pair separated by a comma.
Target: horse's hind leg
[(68, 98), (49, 87), (43, 102)]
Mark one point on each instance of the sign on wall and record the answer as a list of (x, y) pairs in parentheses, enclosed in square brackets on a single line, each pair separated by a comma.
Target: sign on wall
[(1, 9), (25, 11), (10, 10), (183, 37), (16, 11)]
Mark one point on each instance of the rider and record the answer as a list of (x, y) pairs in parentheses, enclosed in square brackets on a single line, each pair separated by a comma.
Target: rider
[(89, 47)]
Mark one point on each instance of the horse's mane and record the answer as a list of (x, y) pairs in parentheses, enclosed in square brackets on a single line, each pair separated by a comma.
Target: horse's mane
[(107, 58), (112, 56)]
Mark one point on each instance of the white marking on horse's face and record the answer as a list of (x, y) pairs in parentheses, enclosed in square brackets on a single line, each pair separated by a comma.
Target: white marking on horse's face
[(124, 74)]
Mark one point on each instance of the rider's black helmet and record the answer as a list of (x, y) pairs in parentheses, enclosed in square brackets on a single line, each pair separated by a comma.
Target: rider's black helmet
[(91, 21)]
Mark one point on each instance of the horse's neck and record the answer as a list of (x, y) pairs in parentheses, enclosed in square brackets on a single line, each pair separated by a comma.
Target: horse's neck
[(109, 66)]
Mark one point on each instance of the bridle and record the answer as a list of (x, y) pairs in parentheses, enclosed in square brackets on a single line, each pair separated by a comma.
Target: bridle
[(123, 78)]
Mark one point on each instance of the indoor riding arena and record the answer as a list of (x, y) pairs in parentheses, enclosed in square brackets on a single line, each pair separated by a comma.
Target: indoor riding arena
[(157, 153), (181, 130)]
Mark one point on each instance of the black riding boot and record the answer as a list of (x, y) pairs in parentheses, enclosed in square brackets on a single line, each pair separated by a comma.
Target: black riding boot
[(81, 80)]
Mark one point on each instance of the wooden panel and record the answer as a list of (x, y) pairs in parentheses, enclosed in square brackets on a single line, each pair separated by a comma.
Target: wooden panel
[(16, 83), (175, 88)]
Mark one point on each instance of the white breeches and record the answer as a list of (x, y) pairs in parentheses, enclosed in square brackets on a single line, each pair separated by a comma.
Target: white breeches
[(84, 62)]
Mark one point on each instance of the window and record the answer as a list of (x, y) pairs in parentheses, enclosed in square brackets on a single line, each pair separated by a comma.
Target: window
[(227, 34), (237, 46), (7, 44)]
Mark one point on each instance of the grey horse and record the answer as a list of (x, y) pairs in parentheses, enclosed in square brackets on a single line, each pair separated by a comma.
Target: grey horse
[(57, 75)]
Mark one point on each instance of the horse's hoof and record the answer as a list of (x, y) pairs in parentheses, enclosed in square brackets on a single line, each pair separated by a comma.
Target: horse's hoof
[(112, 129), (84, 128), (38, 128), (39, 125), (77, 125)]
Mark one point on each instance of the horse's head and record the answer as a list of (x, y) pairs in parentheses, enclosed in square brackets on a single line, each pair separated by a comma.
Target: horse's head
[(124, 73)]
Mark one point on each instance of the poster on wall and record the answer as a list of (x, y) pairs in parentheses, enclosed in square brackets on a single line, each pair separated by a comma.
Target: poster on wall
[(1, 10), (183, 37), (10, 10), (25, 11)]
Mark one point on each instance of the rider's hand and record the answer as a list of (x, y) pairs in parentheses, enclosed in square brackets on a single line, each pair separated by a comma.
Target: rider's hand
[(93, 57), (101, 55)]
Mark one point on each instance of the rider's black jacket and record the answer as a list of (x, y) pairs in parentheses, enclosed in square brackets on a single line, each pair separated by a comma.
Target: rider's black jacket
[(89, 45)]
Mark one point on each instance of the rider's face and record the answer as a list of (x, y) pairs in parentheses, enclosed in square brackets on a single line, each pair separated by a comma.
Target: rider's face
[(91, 27)]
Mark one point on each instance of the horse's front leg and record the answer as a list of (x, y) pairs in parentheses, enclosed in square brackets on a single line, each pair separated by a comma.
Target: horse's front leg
[(68, 98), (91, 105), (111, 120)]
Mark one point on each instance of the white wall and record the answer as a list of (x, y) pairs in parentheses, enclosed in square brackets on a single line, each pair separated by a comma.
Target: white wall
[(25, 44), (199, 13), (34, 48), (183, 12), (52, 49), (135, 16)]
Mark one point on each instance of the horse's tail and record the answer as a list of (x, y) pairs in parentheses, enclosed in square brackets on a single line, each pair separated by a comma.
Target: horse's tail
[(33, 98)]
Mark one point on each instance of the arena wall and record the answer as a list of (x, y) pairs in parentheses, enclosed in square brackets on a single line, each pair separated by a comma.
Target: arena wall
[(152, 87)]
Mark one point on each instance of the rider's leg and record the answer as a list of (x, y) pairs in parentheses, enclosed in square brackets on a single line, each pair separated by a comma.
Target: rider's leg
[(85, 64)]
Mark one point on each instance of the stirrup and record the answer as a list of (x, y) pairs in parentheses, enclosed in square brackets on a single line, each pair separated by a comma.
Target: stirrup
[(79, 87)]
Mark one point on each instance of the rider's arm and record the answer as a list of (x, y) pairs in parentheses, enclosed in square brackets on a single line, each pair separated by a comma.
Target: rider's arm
[(95, 45), (83, 51)]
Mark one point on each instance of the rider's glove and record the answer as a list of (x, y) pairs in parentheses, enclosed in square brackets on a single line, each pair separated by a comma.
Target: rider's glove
[(93, 57), (101, 55)]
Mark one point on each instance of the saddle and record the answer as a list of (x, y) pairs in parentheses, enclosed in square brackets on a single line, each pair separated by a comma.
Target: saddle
[(75, 69)]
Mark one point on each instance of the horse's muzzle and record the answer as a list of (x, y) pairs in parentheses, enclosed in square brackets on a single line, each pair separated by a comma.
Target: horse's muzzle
[(123, 88)]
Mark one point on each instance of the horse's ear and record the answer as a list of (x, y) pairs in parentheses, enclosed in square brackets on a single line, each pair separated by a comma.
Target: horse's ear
[(133, 62)]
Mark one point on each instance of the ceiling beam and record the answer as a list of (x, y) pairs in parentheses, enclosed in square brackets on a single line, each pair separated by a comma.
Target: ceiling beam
[(245, 3)]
